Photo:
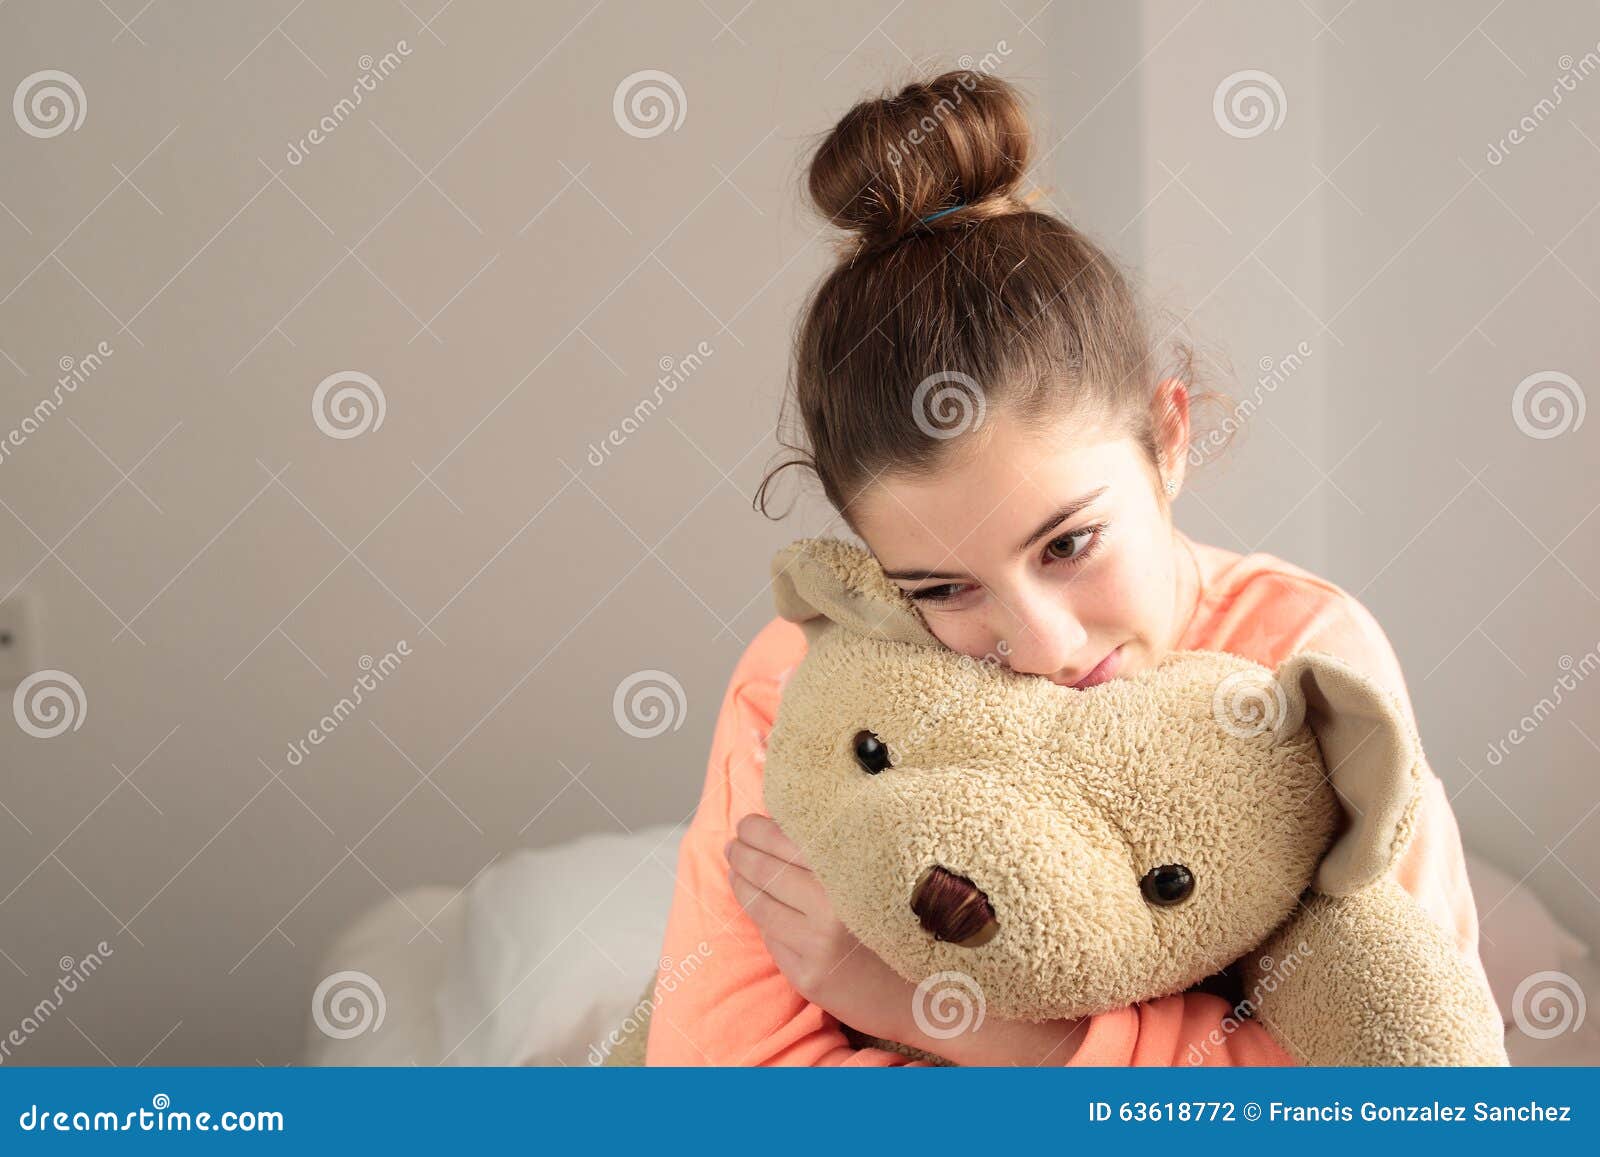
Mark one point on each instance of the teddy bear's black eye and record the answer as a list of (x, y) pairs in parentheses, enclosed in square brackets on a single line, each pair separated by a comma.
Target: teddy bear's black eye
[(1167, 885), (871, 753)]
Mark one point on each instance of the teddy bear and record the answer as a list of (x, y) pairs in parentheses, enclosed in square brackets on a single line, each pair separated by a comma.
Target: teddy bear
[(1056, 852)]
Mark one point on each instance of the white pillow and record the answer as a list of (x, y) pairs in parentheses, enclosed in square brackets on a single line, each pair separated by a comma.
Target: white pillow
[(378, 983), (558, 944)]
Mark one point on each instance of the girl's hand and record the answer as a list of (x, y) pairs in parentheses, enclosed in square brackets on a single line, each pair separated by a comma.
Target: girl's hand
[(835, 971), (813, 949)]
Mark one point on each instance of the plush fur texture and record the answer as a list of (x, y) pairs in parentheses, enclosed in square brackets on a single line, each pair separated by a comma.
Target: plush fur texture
[(1274, 805)]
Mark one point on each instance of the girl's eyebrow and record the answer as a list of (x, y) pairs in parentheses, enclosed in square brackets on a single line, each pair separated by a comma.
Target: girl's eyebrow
[(1045, 527), (1062, 515), (920, 575)]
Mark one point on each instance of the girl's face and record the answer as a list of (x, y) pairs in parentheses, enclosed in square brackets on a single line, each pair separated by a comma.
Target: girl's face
[(1050, 551)]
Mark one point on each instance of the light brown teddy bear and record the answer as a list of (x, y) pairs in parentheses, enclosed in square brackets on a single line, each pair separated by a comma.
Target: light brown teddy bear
[(1062, 853)]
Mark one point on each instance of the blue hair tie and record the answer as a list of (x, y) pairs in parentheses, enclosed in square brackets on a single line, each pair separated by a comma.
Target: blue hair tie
[(943, 212)]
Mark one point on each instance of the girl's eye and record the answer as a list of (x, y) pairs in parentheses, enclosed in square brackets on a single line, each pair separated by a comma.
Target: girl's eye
[(1065, 548), (934, 594), (1071, 549)]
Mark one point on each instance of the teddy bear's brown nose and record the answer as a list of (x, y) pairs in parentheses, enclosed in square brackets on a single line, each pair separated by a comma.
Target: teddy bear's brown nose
[(953, 908)]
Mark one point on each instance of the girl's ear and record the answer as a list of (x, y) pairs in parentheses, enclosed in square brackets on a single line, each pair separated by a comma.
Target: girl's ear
[(1373, 758), (818, 582), (1170, 406)]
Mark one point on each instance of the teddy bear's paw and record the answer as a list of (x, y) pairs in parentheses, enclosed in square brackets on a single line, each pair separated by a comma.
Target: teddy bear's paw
[(1370, 979)]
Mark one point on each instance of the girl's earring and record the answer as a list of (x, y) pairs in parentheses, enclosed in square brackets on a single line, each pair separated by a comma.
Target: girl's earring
[(1172, 487)]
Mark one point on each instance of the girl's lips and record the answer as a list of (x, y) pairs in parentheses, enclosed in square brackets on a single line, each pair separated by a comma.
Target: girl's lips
[(1105, 670)]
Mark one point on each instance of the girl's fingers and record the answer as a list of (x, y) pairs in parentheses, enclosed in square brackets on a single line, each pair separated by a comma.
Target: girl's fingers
[(763, 832), (779, 923), (788, 960), (789, 884)]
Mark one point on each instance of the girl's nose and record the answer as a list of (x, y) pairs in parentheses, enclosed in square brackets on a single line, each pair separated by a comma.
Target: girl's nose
[(1044, 637)]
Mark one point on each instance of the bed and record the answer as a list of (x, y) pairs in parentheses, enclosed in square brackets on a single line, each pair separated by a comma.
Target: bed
[(545, 952)]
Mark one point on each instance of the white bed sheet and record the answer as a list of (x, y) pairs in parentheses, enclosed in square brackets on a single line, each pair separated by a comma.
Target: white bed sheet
[(549, 949)]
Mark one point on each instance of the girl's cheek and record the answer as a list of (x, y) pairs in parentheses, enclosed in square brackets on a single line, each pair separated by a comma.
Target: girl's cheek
[(1124, 593), (967, 638), (965, 632)]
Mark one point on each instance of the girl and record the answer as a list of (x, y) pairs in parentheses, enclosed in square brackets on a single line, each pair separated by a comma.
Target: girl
[(975, 390)]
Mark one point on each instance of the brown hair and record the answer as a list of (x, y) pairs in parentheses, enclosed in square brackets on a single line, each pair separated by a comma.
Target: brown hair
[(993, 303)]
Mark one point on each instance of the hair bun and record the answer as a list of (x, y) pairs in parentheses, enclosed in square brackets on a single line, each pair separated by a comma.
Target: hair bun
[(961, 138)]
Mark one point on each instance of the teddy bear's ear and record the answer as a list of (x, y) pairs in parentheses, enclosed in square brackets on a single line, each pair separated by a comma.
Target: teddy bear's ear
[(1373, 758), (822, 581)]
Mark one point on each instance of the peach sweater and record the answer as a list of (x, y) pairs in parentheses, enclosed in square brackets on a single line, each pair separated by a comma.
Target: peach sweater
[(738, 1009)]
